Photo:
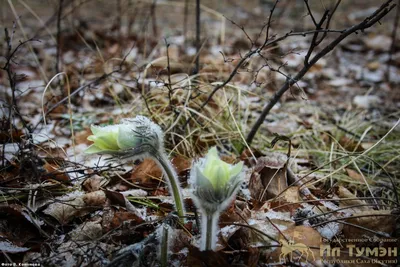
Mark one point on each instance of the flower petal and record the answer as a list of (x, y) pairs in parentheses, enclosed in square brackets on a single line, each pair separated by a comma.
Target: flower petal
[(235, 170), (201, 180), (128, 137), (92, 149)]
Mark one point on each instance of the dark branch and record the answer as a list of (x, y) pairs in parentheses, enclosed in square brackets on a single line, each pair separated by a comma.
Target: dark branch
[(366, 23)]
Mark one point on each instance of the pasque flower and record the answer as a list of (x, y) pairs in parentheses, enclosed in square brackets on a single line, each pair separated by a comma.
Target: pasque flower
[(214, 185), (215, 182), (137, 138), (129, 134)]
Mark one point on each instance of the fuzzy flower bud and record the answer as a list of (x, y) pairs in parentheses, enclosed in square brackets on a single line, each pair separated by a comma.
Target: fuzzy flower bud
[(215, 182), (130, 133), (138, 138)]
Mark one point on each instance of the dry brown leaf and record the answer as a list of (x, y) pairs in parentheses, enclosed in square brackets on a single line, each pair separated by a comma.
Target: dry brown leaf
[(53, 172), (252, 257), (247, 156), (69, 207), (16, 226), (374, 220), (291, 196), (146, 172), (355, 175), (350, 144), (87, 231), (81, 136), (182, 165), (269, 178), (66, 209), (274, 181), (121, 217), (305, 238), (197, 258), (344, 193), (94, 183), (94, 199), (256, 187)]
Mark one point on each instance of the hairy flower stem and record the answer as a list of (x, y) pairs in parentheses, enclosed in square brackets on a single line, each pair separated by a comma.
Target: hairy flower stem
[(209, 229), (172, 177), (164, 245), (209, 233)]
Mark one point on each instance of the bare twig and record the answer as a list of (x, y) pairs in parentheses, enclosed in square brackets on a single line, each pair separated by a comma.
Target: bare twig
[(249, 55), (198, 44), (169, 85), (366, 23), (311, 15), (153, 17), (328, 22), (54, 16), (393, 45), (185, 21), (14, 109), (269, 22), (314, 42), (60, 6), (86, 86)]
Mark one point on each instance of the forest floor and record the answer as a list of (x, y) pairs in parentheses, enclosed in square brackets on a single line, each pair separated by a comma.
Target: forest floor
[(327, 184)]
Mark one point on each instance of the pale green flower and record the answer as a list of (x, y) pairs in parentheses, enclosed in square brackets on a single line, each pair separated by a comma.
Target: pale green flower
[(215, 182), (129, 134), (137, 138), (214, 185)]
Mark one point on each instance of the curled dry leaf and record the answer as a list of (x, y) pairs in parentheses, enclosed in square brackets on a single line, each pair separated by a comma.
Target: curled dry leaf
[(75, 205), (181, 164), (349, 200), (53, 172), (87, 231), (197, 258), (354, 175), (119, 199), (288, 201), (247, 156), (381, 221), (304, 238), (146, 173), (269, 178), (94, 183), (124, 217), (15, 227)]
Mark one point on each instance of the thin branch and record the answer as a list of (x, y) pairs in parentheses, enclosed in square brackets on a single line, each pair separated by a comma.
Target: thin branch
[(328, 22), (60, 6), (243, 30), (88, 85), (269, 22), (382, 11), (311, 14), (314, 42), (198, 44), (393, 45)]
